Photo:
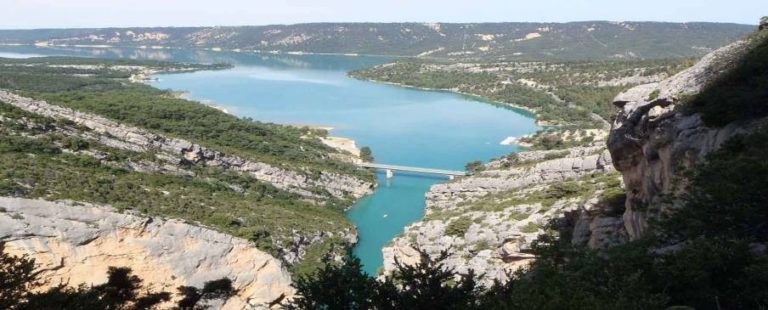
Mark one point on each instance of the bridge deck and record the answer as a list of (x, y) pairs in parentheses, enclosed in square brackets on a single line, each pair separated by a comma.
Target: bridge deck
[(413, 169)]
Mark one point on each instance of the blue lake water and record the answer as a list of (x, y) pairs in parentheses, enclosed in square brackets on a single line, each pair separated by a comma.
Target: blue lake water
[(402, 126)]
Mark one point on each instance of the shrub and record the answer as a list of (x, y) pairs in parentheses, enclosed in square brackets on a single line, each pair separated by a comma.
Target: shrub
[(459, 226), (474, 166), (366, 154)]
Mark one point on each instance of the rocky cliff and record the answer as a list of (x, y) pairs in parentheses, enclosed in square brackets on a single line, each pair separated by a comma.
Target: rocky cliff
[(487, 221), (654, 140), (75, 243)]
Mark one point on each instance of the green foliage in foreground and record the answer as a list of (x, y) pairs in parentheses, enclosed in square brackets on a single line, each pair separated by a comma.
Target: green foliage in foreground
[(707, 255), (123, 290), (426, 285)]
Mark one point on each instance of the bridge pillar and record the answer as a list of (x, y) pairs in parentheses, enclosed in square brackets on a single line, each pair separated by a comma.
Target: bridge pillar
[(389, 173)]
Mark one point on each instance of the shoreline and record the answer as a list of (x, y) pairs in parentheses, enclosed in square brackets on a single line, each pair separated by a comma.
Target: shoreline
[(454, 91), (342, 144)]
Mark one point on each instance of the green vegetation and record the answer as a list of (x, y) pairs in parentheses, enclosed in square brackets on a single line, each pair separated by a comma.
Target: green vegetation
[(209, 199), (741, 93), (474, 166), (654, 94), (530, 228), (157, 110), (705, 255), (426, 285), (459, 226), (123, 290), (42, 157), (366, 154), (579, 188), (569, 95)]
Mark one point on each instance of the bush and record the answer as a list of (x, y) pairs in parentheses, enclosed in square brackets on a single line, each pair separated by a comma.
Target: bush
[(474, 166), (366, 155), (459, 226)]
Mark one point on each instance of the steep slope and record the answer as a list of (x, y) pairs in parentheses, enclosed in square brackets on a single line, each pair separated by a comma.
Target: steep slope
[(532, 41), (100, 138), (665, 129), (488, 220), (661, 136)]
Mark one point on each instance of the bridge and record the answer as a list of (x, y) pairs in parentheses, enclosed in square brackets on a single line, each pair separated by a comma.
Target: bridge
[(389, 168)]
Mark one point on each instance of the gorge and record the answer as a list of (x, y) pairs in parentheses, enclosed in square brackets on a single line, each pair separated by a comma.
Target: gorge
[(279, 200)]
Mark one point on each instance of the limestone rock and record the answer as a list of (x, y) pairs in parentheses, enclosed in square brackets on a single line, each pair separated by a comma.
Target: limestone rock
[(652, 143), (76, 244), (496, 241)]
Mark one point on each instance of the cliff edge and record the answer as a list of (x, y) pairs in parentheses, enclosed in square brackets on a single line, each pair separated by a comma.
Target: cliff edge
[(75, 243)]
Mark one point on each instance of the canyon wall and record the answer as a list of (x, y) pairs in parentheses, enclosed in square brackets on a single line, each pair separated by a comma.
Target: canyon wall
[(75, 243), (654, 141)]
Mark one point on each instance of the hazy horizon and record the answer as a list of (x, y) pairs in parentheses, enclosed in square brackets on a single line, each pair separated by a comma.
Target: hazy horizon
[(403, 22), (53, 14)]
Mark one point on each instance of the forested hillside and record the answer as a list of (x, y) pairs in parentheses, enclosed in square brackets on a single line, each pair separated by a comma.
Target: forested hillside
[(100, 138), (573, 96), (512, 41)]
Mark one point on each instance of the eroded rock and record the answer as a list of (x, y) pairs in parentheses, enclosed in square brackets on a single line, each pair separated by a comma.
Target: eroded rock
[(76, 244), (653, 143)]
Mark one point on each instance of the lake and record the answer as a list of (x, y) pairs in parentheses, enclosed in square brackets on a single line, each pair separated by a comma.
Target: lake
[(403, 126)]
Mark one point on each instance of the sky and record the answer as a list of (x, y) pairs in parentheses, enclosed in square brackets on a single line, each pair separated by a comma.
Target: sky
[(25, 14)]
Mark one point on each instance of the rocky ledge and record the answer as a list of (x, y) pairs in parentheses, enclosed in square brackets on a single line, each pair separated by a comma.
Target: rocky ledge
[(131, 138), (487, 221), (75, 243), (653, 142)]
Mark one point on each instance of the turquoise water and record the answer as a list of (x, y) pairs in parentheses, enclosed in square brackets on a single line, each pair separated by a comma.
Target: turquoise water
[(402, 126)]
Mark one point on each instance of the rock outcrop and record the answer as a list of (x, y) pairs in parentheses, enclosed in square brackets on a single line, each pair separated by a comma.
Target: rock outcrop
[(487, 221), (137, 139), (76, 243), (574, 162), (653, 142)]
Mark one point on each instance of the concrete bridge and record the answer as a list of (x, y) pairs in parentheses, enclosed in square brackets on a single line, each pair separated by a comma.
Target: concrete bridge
[(389, 168)]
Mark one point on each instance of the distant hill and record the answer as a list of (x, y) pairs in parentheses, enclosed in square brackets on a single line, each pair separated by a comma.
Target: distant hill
[(517, 41)]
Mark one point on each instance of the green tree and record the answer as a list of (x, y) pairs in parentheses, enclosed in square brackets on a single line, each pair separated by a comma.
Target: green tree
[(344, 286), (17, 279), (474, 166), (366, 154)]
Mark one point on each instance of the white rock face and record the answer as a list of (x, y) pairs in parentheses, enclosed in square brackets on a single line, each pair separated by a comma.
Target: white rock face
[(652, 142), (496, 240), (578, 162), (76, 244), (137, 139)]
